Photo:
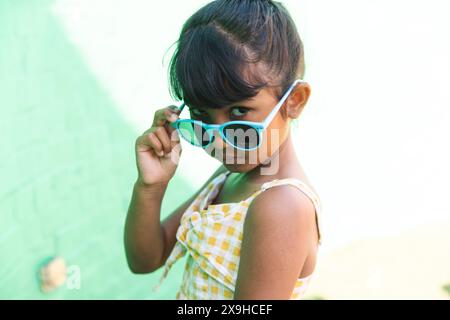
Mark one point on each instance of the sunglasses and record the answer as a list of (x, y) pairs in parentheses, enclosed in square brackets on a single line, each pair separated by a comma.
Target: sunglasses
[(242, 135)]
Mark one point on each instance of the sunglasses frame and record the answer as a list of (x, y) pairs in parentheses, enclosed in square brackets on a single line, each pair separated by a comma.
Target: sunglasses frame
[(258, 126)]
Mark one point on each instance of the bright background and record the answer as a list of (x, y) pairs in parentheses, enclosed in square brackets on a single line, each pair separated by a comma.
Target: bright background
[(81, 79)]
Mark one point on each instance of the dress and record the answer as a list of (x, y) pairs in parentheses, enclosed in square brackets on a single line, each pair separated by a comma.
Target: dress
[(212, 233)]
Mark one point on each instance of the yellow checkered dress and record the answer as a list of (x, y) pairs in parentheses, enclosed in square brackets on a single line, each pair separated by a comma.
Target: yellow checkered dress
[(212, 236)]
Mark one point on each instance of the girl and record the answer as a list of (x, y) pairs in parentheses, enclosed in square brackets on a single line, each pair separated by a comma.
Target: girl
[(252, 230)]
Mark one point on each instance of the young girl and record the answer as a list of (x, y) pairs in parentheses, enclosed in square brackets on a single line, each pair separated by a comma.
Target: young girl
[(252, 231)]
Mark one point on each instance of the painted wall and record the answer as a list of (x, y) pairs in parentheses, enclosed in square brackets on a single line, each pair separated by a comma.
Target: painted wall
[(66, 168), (81, 79)]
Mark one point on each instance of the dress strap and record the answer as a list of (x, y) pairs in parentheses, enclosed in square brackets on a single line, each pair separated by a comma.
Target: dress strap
[(302, 186)]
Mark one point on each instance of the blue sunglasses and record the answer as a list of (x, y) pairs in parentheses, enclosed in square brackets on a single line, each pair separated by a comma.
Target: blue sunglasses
[(242, 135)]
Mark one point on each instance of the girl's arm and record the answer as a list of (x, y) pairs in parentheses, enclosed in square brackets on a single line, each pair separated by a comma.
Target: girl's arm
[(279, 232), (148, 243)]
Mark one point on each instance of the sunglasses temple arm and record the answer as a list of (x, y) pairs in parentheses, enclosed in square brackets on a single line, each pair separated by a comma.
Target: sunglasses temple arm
[(280, 103), (181, 107)]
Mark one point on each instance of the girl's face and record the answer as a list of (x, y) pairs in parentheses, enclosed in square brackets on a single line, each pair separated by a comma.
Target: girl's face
[(255, 109)]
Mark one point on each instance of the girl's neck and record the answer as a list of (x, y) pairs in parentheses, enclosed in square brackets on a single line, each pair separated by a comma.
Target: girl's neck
[(282, 163)]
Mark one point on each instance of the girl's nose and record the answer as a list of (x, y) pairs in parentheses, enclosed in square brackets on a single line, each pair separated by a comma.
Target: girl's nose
[(220, 148), (218, 142)]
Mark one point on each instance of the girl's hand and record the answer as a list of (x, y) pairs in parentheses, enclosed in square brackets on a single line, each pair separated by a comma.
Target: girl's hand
[(158, 149)]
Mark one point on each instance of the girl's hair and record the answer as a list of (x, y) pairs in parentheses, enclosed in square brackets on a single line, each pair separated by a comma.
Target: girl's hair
[(230, 49)]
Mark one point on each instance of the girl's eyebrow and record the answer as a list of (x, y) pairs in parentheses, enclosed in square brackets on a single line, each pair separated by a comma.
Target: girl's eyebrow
[(241, 103), (235, 105)]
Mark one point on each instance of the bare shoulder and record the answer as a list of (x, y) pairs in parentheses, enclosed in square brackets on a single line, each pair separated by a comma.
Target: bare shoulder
[(277, 240), (283, 208), (286, 201)]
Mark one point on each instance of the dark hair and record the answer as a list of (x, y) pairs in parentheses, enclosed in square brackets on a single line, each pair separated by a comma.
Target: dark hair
[(230, 49)]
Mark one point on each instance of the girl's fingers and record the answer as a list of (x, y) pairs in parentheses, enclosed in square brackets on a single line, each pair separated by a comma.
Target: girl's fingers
[(155, 144), (165, 115), (170, 119), (159, 118), (174, 138), (164, 139), (161, 137)]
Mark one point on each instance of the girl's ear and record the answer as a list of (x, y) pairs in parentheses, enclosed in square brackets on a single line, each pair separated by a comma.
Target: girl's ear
[(297, 100)]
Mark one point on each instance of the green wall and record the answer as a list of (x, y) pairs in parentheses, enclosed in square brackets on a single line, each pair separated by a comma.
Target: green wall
[(66, 167)]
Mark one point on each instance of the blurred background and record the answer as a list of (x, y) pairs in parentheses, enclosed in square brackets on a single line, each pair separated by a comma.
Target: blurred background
[(81, 79)]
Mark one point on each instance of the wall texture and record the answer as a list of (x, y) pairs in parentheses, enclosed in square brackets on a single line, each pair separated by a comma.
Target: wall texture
[(66, 167)]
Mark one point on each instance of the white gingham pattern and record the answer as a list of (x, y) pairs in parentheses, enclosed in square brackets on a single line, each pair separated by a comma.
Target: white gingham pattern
[(212, 236)]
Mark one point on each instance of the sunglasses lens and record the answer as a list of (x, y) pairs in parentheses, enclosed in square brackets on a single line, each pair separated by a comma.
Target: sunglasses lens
[(194, 133), (242, 136)]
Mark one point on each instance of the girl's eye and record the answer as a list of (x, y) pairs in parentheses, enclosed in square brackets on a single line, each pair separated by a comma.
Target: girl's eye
[(239, 112)]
